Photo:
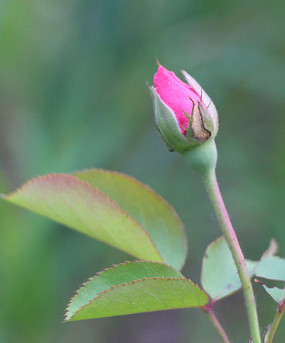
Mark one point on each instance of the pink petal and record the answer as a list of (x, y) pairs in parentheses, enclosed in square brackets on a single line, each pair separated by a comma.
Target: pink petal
[(176, 94)]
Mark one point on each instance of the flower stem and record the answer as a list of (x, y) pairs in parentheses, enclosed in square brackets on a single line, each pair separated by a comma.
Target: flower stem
[(216, 199), (209, 312), (272, 328)]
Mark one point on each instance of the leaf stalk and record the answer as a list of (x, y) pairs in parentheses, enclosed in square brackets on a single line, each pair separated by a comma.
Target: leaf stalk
[(273, 327), (217, 325)]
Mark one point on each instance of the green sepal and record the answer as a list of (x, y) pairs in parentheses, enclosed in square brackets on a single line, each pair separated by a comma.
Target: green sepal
[(167, 125)]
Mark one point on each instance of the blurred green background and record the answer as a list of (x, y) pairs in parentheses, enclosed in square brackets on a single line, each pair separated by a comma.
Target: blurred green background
[(73, 95)]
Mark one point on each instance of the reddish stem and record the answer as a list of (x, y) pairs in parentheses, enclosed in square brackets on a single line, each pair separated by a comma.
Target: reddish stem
[(215, 196), (208, 309)]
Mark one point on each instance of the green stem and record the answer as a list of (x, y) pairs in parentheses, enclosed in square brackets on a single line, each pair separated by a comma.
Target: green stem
[(215, 196), (209, 312), (272, 328)]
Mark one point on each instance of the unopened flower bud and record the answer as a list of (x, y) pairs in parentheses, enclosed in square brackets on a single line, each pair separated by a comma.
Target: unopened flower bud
[(185, 116)]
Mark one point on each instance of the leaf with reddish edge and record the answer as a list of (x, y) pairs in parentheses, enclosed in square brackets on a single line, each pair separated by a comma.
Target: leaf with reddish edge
[(134, 287), (219, 276), (154, 214), (75, 203)]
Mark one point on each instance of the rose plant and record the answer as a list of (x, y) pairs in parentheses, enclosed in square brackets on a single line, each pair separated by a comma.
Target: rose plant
[(126, 214)]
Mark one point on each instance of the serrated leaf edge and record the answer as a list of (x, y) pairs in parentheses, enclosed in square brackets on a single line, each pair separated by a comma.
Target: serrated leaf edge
[(87, 185), (114, 266), (124, 284), (143, 185), (136, 181), (134, 282)]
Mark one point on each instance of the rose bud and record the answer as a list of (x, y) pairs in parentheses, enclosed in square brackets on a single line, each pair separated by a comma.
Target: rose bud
[(185, 116)]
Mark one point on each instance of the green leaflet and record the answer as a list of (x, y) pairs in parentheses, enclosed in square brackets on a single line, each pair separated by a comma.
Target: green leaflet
[(277, 294), (219, 276), (134, 287), (112, 207), (154, 214), (74, 203), (272, 267)]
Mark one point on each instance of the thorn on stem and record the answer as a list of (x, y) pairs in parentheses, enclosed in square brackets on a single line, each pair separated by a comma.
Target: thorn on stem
[(258, 281)]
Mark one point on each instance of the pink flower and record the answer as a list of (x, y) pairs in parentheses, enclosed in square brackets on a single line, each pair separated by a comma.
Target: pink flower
[(184, 114), (176, 94)]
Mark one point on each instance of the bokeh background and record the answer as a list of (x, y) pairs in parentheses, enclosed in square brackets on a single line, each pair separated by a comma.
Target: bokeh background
[(73, 95)]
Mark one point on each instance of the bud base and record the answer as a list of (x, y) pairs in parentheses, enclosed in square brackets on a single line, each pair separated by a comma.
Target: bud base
[(202, 158)]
